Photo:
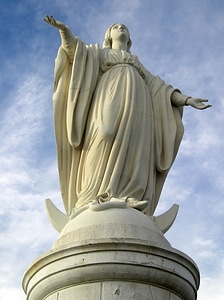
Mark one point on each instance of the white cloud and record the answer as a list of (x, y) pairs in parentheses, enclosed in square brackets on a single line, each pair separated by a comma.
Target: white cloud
[(11, 293), (203, 245), (211, 287)]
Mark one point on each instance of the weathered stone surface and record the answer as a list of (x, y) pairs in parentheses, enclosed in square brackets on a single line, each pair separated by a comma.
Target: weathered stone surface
[(92, 260)]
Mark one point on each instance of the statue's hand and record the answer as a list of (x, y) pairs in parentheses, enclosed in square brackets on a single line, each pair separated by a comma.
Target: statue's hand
[(51, 21), (198, 103)]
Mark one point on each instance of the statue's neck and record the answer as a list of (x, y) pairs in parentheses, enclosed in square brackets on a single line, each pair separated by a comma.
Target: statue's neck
[(119, 45)]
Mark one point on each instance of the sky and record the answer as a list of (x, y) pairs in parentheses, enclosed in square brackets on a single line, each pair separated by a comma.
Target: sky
[(182, 41)]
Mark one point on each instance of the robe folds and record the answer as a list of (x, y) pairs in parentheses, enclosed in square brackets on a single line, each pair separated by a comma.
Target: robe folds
[(116, 129)]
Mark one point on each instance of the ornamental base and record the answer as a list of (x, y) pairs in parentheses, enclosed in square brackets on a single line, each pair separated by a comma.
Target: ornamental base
[(112, 254)]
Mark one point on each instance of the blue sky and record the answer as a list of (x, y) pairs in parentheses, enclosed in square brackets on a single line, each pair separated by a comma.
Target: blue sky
[(182, 41)]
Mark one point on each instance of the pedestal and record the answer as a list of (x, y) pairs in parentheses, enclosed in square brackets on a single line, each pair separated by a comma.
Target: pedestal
[(117, 253)]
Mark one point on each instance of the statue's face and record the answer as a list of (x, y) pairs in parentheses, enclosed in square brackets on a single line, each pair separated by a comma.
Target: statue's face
[(119, 32)]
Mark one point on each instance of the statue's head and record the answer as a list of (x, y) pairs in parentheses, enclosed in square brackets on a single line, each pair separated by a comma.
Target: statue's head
[(108, 38)]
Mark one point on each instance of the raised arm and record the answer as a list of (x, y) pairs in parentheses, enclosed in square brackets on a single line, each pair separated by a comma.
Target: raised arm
[(57, 24), (68, 40)]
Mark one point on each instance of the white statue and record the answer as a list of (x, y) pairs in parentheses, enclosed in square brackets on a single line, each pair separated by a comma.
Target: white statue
[(118, 127)]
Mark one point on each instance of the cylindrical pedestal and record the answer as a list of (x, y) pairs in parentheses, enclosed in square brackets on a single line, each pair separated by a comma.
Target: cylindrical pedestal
[(112, 254)]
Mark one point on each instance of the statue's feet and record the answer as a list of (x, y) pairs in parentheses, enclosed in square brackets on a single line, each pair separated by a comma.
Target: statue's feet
[(134, 203), (106, 201)]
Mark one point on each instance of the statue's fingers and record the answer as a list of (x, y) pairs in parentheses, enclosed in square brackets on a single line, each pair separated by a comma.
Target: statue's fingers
[(46, 18), (51, 20), (206, 106)]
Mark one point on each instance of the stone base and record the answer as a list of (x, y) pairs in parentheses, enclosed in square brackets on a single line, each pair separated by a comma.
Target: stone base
[(112, 254), (114, 290)]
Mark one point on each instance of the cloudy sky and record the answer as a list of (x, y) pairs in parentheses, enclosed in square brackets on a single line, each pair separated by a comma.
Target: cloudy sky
[(182, 41)]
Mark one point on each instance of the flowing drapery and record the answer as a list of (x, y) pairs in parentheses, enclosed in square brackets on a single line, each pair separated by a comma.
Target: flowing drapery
[(116, 129)]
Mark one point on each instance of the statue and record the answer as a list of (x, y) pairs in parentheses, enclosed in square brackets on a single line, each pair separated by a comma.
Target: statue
[(117, 127)]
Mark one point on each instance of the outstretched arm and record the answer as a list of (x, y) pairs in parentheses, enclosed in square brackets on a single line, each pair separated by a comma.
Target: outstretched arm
[(179, 99), (198, 103)]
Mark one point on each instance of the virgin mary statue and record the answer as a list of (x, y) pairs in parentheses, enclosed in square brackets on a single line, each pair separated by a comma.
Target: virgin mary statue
[(117, 127)]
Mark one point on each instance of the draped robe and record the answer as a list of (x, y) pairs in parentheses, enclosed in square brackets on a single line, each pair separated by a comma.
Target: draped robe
[(116, 129)]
